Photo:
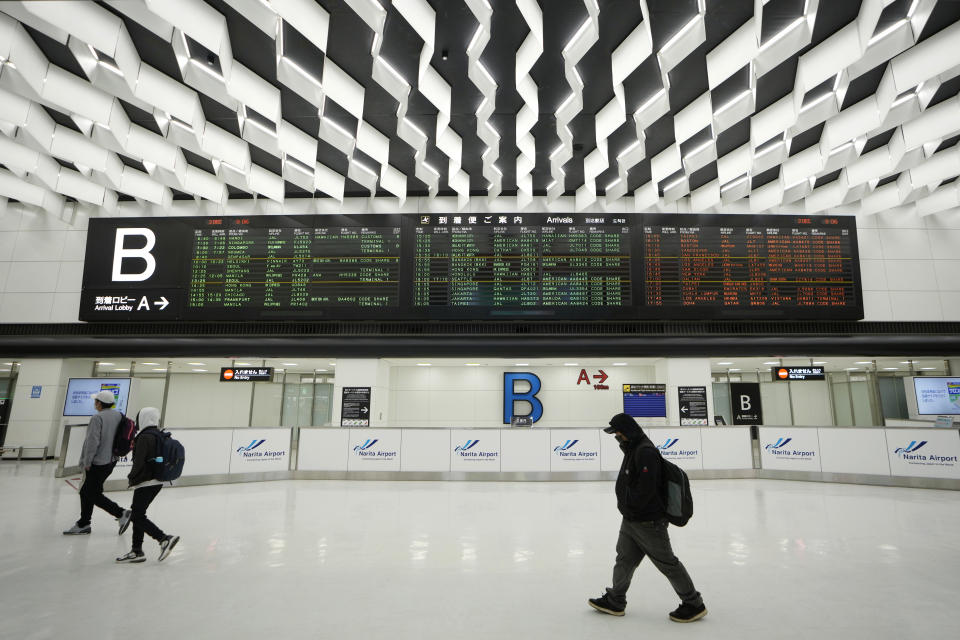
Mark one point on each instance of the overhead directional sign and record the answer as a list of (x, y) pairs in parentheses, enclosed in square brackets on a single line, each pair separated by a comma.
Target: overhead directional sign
[(797, 373), (237, 374)]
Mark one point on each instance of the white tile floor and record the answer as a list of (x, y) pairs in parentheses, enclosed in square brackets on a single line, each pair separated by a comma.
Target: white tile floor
[(316, 559)]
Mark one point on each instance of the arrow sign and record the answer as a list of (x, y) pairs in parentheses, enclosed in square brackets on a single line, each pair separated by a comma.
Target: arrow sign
[(603, 376), (162, 302), (364, 410), (684, 409)]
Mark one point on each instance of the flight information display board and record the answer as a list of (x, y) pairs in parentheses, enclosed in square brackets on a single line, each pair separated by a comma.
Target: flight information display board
[(579, 266)]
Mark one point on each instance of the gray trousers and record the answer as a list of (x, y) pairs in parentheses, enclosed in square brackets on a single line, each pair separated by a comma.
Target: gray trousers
[(638, 540)]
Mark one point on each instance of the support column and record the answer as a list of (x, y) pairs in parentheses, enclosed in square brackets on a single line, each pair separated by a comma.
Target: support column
[(364, 372), (684, 372), (35, 422)]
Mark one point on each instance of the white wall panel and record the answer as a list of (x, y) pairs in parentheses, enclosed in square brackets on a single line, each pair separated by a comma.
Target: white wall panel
[(950, 303), (911, 275), (65, 307), (948, 274), (854, 451), (204, 401), (917, 306), (70, 277), (34, 246), (75, 246), (905, 244), (4, 271), (8, 240), (38, 277), (26, 307), (873, 275), (876, 306)]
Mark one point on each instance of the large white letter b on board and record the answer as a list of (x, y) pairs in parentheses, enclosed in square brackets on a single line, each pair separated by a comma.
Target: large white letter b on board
[(745, 403), (119, 254)]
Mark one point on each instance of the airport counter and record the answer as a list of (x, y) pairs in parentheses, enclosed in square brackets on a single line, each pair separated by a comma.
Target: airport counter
[(913, 457)]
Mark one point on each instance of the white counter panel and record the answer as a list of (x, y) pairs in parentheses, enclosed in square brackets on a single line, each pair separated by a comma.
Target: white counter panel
[(680, 446), (854, 451), (323, 449), (425, 450), (610, 454), (789, 449), (475, 450), (726, 448), (575, 449), (928, 453), (525, 450), (258, 450), (374, 450)]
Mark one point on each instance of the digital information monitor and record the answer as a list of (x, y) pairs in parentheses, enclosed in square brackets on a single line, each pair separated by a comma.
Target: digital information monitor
[(639, 266)]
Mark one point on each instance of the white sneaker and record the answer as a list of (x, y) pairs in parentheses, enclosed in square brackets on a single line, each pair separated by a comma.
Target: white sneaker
[(77, 530), (132, 557), (167, 545), (124, 520)]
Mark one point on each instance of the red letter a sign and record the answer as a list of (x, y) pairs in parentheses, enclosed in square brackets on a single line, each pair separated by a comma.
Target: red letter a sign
[(583, 377)]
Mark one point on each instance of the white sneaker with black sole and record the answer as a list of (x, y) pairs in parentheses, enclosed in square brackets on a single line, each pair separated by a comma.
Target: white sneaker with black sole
[(167, 545), (124, 521), (132, 557)]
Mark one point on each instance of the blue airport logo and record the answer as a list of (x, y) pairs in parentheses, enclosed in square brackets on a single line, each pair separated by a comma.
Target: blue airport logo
[(470, 451), (570, 451), (669, 443), (368, 450), (779, 444), (253, 451), (366, 445), (253, 445), (910, 448)]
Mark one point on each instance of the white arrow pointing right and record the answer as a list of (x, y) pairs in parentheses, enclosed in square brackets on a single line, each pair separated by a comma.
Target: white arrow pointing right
[(163, 302)]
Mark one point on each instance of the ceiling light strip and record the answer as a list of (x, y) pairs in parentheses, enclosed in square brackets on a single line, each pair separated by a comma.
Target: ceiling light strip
[(481, 78), (530, 50), (584, 38)]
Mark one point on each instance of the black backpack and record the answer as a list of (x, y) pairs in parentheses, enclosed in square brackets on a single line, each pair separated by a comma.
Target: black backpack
[(168, 464), (676, 493), (124, 436)]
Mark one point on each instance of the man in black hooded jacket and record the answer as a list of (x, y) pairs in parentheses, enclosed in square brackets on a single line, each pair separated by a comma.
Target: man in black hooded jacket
[(643, 531)]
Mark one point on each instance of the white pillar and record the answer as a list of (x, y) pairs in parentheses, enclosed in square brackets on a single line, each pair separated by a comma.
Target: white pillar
[(684, 372), (35, 422), (364, 372)]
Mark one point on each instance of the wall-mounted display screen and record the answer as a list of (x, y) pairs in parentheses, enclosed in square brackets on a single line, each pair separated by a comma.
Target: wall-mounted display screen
[(937, 396), (645, 400), (574, 266), (80, 392)]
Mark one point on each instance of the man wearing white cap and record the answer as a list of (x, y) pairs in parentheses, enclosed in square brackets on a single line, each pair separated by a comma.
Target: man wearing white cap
[(97, 461)]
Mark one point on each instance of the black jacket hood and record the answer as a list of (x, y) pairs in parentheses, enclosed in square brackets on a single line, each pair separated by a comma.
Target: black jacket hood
[(627, 426)]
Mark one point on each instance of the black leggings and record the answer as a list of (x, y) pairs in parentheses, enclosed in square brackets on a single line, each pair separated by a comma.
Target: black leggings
[(142, 498)]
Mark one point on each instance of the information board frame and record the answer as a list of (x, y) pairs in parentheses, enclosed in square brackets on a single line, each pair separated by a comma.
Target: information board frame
[(118, 268)]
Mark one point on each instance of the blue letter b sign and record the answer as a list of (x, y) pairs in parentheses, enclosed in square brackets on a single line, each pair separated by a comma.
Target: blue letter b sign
[(511, 395)]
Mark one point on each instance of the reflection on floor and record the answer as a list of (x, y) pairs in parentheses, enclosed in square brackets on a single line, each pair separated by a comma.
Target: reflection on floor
[(323, 559)]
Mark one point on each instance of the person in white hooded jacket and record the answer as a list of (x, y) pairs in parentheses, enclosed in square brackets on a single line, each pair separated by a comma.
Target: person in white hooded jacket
[(146, 448)]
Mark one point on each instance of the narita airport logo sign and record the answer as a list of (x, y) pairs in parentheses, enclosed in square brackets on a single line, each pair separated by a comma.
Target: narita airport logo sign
[(780, 449), (367, 450), (909, 454), (253, 451), (470, 450), (669, 449), (569, 450)]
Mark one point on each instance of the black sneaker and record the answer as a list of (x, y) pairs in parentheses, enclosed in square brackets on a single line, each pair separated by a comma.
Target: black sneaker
[(132, 557), (167, 545), (604, 605), (124, 520), (688, 613)]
